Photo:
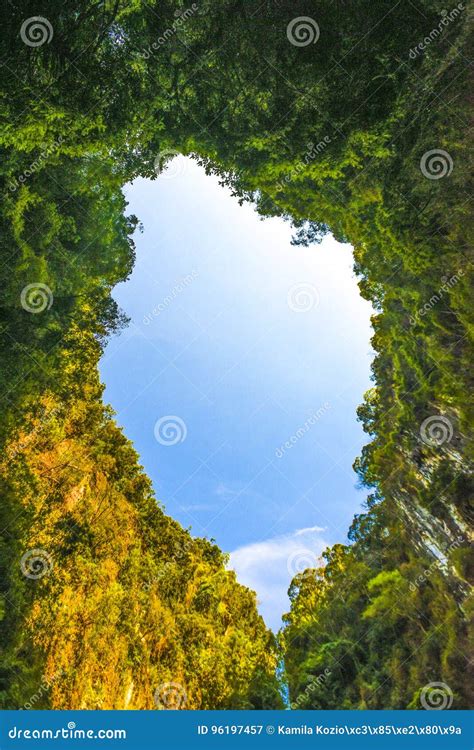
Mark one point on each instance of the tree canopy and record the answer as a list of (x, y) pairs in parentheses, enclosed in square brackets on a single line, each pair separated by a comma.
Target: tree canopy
[(355, 131)]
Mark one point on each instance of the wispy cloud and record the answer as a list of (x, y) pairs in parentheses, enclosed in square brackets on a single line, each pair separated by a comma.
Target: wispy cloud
[(223, 490), (309, 530), (268, 566)]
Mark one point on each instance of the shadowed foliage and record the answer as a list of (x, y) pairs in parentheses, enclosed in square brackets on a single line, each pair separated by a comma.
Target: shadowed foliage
[(336, 135)]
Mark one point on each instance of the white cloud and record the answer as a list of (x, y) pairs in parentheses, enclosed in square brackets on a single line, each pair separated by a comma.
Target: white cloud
[(268, 566), (309, 529)]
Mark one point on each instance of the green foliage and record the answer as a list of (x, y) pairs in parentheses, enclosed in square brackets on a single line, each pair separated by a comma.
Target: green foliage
[(329, 136), (128, 601), (365, 634)]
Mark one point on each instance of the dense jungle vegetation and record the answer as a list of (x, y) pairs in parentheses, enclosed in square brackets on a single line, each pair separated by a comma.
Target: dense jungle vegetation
[(337, 135)]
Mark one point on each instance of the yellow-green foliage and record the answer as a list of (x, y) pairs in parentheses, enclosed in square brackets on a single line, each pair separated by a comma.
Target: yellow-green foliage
[(128, 601), (330, 136)]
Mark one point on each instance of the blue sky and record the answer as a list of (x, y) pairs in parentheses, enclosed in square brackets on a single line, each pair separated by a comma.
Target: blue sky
[(239, 376)]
